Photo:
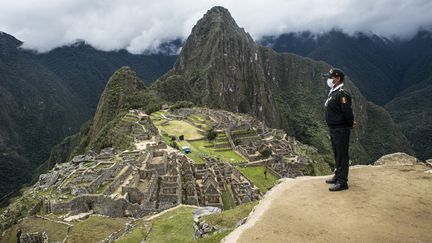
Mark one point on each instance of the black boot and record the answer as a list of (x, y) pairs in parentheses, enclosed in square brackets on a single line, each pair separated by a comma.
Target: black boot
[(338, 187)]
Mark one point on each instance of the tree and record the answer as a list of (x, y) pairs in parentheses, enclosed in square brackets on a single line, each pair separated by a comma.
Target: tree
[(265, 153), (211, 133)]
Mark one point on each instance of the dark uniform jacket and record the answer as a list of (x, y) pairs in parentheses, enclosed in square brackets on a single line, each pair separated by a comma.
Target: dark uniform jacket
[(339, 111)]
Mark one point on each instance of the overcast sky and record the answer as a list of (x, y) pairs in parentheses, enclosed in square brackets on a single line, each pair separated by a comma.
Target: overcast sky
[(140, 25)]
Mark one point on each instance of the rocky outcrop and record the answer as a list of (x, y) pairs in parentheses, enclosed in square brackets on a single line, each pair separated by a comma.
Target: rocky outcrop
[(395, 195), (396, 159), (32, 237), (202, 228)]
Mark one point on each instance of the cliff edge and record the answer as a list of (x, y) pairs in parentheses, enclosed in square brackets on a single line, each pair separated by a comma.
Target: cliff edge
[(388, 202)]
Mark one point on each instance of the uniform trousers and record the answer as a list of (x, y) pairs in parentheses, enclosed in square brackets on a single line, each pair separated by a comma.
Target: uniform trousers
[(340, 143)]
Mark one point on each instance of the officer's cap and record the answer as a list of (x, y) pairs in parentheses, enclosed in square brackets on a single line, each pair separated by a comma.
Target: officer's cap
[(335, 72)]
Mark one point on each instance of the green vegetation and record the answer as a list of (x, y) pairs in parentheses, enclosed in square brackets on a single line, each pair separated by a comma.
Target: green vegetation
[(199, 148), (177, 128), (104, 186), (181, 104), (415, 120), (112, 126), (256, 175), (176, 225), (214, 238), (172, 226), (382, 136), (138, 234), (266, 152), (19, 206), (206, 147), (227, 199), (211, 134), (9, 236), (227, 220), (95, 228), (55, 231), (117, 134)]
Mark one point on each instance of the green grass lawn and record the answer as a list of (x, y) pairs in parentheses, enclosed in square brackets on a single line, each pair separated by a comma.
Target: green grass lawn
[(177, 128), (229, 155), (135, 236), (197, 119), (173, 226), (55, 231), (176, 226), (227, 219), (228, 200), (256, 176), (95, 229)]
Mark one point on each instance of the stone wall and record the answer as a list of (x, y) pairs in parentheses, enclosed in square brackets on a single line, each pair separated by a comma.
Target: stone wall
[(36, 208), (32, 237), (118, 181), (134, 194), (100, 204), (113, 170)]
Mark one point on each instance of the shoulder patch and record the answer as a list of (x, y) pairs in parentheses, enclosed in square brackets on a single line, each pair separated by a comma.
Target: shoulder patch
[(343, 100)]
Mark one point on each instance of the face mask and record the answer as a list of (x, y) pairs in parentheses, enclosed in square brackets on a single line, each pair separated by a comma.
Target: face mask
[(330, 83)]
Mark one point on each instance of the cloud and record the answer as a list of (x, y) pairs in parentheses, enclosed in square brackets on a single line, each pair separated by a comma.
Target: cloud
[(142, 25)]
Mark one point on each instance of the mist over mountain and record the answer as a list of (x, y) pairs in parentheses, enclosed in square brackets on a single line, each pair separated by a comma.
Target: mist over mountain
[(143, 25)]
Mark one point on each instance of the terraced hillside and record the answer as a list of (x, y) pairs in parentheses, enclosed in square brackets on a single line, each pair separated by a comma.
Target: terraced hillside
[(113, 193)]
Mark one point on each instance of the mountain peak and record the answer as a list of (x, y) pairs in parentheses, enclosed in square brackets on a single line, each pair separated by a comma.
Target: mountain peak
[(217, 15), (118, 95), (219, 10), (8, 42), (218, 23), (214, 35)]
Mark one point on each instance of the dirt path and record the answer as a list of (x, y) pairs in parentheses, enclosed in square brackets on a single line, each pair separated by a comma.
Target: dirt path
[(382, 205)]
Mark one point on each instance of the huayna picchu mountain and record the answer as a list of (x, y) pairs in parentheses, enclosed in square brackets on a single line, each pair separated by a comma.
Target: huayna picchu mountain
[(220, 66)]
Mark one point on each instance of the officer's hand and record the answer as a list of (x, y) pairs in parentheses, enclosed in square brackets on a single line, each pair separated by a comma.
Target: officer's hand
[(354, 124)]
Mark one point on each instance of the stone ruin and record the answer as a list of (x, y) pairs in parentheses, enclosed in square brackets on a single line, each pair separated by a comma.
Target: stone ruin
[(157, 177), (249, 136), (35, 237)]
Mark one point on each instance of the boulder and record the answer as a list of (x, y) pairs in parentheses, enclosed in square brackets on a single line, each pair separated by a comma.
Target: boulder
[(205, 211), (396, 159), (107, 152), (47, 180)]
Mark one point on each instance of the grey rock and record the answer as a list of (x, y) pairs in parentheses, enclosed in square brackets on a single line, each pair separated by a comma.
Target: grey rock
[(241, 222), (107, 152), (205, 211), (396, 159), (208, 230), (205, 225)]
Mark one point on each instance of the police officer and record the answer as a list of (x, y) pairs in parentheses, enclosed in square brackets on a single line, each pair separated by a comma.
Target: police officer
[(340, 119)]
